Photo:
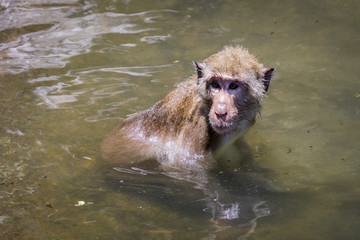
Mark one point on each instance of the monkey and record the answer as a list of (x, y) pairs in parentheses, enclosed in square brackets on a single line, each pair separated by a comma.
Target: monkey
[(202, 113)]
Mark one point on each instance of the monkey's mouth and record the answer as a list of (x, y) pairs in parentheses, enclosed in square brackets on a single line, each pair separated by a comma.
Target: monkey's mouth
[(222, 128)]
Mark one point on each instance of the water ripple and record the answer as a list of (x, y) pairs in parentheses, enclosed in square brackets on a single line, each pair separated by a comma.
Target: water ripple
[(67, 37), (144, 71), (89, 86)]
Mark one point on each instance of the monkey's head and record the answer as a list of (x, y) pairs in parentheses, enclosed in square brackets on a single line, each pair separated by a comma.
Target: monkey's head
[(233, 84)]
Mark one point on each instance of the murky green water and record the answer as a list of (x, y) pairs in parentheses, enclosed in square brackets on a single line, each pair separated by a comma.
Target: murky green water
[(69, 70)]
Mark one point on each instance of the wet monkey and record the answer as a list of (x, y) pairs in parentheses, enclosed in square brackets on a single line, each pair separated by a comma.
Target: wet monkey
[(205, 111)]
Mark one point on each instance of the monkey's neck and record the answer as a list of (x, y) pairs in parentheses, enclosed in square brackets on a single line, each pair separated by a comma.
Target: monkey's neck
[(219, 142)]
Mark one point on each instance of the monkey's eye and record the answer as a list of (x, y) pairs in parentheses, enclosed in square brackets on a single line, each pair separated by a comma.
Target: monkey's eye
[(215, 84), (233, 86)]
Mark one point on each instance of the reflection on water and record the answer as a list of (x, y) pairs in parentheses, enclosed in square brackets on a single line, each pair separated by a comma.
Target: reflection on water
[(56, 96), (69, 70), (69, 37), (233, 214)]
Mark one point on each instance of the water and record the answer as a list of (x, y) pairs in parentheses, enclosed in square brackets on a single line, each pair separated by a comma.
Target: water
[(69, 70)]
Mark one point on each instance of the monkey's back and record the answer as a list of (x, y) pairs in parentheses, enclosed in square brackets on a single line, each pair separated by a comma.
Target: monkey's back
[(174, 132)]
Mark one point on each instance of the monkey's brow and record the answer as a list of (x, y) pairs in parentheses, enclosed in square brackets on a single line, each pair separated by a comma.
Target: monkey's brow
[(226, 78)]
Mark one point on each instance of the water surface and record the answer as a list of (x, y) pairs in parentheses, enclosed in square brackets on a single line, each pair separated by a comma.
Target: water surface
[(69, 70)]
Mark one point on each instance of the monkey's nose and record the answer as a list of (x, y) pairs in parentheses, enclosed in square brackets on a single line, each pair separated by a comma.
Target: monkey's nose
[(221, 115), (221, 111)]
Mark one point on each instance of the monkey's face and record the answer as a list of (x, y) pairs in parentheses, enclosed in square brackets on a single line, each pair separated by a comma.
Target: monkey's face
[(235, 83), (230, 104)]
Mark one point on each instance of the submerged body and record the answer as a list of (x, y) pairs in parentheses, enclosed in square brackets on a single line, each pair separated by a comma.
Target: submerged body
[(203, 112)]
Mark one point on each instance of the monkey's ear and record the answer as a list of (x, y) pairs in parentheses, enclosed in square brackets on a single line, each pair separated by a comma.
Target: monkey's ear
[(199, 66), (267, 77)]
